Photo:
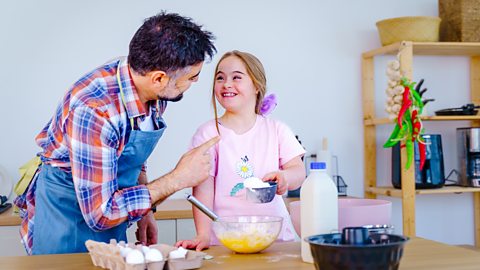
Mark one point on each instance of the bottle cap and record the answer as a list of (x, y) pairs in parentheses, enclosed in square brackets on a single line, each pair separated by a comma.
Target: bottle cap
[(318, 166)]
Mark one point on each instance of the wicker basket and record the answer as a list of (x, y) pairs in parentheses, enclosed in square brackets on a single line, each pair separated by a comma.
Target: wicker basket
[(419, 29), (460, 20)]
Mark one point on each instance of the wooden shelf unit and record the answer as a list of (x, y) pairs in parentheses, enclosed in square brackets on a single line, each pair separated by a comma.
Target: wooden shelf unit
[(393, 192), (406, 51), (383, 121)]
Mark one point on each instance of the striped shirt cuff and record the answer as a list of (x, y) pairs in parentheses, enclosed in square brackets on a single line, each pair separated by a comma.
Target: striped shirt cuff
[(137, 202)]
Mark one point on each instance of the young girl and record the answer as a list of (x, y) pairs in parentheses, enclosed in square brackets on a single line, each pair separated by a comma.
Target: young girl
[(251, 145)]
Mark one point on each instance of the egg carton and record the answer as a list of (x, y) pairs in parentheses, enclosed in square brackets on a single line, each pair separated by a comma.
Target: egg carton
[(109, 256)]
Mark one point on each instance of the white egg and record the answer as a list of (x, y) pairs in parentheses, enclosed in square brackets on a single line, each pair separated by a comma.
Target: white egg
[(145, 249), (178, 254), (124, 251), (135, 257), (153, 255)]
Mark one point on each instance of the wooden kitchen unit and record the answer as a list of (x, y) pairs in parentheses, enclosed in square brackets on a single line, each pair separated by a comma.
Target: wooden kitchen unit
[(174, 222), (418, 254), (169, 209), (406, 50)]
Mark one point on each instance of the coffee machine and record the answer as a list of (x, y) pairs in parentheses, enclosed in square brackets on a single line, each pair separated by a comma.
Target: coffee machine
[(468, 150), (433, 173)]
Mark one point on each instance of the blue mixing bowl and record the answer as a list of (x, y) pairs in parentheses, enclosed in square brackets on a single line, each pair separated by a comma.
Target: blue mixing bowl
[(262, 195)]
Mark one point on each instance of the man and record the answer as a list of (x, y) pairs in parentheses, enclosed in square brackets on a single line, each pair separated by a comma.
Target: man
[(92, 182)]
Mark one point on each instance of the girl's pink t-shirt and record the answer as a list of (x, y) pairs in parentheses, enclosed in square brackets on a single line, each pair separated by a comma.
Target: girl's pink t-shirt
[(267, 146)]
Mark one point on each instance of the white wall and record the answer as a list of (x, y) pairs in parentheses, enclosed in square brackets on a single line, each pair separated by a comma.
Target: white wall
[(311, 50)]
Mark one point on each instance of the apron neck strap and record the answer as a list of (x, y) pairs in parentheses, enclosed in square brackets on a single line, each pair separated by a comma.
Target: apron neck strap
[(119, 81)]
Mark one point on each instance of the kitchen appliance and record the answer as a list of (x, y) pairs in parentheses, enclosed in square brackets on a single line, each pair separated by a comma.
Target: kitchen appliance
[(468, 150), (4, 206), (322, 156), (467, 109), (356, 248), (433, 173)]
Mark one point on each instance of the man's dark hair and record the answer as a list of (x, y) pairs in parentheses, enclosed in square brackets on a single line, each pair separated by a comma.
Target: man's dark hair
[(169, 42)]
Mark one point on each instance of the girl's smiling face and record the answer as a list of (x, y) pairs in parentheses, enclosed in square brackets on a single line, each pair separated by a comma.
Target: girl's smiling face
[(234, 89)]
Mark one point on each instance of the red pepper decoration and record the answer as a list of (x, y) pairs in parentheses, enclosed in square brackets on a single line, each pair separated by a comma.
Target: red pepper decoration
[(422, 149), (407, 102), (408, 128), (417, 128)]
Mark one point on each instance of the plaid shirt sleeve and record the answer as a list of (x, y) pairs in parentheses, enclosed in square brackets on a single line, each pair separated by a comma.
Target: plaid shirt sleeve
[(93, 142)]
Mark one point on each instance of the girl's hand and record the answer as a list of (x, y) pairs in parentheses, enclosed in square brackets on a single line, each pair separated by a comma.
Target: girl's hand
[(279, 178), (199, 243)]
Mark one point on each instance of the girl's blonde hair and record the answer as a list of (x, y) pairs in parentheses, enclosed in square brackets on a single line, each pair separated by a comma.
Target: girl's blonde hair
[(256, 72)]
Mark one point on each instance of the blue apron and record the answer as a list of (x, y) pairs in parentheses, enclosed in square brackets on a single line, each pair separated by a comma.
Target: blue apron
[(59, 226)]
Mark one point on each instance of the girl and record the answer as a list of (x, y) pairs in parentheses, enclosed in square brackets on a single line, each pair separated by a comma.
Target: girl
[(251, 146)]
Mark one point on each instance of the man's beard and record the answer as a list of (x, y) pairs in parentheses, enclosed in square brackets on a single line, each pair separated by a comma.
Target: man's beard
[(175, 99)]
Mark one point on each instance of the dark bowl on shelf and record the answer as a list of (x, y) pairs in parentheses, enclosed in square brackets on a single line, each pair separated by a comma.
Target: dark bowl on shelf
[(378, 251)]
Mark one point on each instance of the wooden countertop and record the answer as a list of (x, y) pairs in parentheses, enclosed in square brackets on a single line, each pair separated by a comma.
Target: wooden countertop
[(168, 209), (7, 218), (418, 254)]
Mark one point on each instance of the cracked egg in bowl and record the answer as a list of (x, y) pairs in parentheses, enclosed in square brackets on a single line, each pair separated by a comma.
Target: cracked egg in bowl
[(247, 234)]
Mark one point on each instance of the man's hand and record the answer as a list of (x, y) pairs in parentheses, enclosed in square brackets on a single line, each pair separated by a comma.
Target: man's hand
[(191, 170), (279, 178), (194, 166), (147, 231)]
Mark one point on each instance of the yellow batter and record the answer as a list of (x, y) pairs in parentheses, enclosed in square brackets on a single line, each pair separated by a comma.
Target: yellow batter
[(247, 243)]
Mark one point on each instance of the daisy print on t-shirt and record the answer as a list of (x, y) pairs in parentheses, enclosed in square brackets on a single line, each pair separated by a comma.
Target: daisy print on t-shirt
[(245, 170)]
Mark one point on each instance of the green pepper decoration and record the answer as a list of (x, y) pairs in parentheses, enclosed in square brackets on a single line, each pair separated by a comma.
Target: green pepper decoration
[(408, 125)]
